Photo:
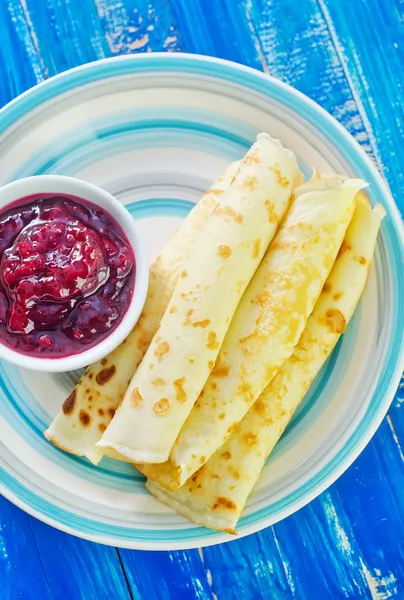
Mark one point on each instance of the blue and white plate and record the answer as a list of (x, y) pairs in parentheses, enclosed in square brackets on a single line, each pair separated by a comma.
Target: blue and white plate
[(155, 130)]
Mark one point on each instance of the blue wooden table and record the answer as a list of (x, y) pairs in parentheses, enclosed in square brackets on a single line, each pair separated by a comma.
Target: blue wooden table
[(348, 55)]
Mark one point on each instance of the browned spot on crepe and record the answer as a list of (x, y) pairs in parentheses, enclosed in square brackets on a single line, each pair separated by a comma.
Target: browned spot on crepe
[(256, 248), (262, 299), (211, 364), (345, 247), (224, 251), (235, 473), (159, 382), (105, 375), (228, 211), (68, 404), (252, 158), (327, 288), (161, 406), (272, 216), (259, 407), (111, 412), (84, 418), (335, 320), (338, 295), (202, 324), (222, 416), (222, 502), (362, 260), (104, 362), (188, 320), (215, 192), (220, 369), (244, 389), (281, 179), (102, 427), (250, 438), (232, 427), (101, 412), (212, 343), (180, 393), (226, 455), (250, 182), (172, 309), (136, 397), (162, 349), (184, 274)]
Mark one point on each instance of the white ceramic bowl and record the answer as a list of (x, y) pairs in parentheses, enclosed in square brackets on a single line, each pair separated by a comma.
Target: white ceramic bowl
[(58, 184)]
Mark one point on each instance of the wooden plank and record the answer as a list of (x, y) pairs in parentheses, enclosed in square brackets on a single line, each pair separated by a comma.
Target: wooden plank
[(67, 34), (218, 29), (370, 495), (140, 26), (21, 570), (103, 29), (300, 51), (179, 575), (79, 570), (19, 61), (374, 68)]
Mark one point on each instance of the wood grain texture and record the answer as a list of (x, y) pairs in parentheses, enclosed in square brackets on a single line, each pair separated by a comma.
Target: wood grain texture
[(79, 570), (22, 573), (19, 70), (348, 543), (167, 575), (377, 78)]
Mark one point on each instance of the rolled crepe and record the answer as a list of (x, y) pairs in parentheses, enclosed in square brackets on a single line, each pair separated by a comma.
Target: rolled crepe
[(216, 495), (183, 352), (267, 324), (90, 407)]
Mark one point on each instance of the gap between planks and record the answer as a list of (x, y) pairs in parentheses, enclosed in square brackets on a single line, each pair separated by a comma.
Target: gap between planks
[(124, 574)]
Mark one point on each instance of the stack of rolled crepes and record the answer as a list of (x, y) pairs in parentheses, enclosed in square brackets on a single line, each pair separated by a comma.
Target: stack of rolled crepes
[(245, 304)]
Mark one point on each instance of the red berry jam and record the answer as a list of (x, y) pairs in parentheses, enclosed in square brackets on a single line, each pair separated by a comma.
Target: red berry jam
[(66, 275)]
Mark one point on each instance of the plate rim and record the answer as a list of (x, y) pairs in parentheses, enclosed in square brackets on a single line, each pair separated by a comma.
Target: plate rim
[(359, 445)]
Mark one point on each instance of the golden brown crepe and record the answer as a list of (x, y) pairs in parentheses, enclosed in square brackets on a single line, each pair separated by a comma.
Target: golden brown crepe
[(184, 349), (215, 496), (267, 324)]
